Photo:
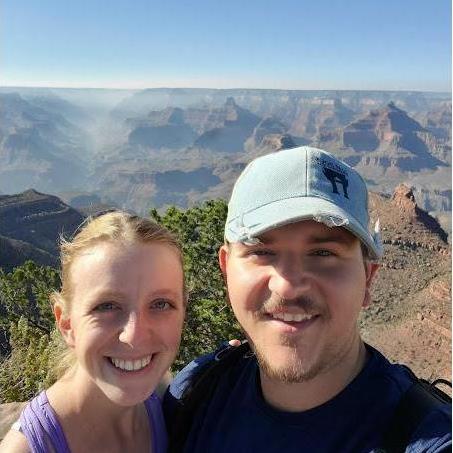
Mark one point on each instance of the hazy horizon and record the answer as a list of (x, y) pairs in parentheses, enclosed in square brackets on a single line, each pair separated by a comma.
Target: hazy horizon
[(59, 87)]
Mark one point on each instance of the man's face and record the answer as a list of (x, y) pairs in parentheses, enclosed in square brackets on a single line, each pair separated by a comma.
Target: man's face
[(298, 295)]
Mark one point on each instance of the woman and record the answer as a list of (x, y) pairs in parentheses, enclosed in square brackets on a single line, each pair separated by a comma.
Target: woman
[(120, 312)]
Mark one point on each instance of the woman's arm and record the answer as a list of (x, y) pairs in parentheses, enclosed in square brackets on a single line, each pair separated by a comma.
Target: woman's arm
[(14, 442)]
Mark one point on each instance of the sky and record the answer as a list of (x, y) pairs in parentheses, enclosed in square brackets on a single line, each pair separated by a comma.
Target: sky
[(284, 44)]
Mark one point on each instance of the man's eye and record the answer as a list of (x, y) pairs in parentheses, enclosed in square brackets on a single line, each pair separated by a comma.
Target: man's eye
[(105, 307), (323, 253), (160, 305)]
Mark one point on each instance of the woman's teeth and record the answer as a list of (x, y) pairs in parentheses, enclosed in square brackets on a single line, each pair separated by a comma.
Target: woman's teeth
[(130, 365)]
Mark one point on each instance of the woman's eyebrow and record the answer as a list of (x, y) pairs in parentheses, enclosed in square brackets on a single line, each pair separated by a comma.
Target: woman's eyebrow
[(118, 293), (106, 294), (165, 292)]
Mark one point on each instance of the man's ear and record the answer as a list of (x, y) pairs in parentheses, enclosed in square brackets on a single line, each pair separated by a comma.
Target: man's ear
[(223, 259), (64, 324), (370, 273)]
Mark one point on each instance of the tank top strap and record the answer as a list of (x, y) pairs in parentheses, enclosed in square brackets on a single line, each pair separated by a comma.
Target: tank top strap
[(39, 424), (157, 424)]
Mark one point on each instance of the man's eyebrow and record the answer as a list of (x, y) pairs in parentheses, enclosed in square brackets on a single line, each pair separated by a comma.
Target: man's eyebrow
[(340, 238), (333, 236)]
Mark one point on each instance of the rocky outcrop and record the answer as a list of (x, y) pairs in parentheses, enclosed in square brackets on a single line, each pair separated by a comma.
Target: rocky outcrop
[(379, 129), (14, 253), (31, 223), (38, 147), (269, 144), (276, 142), (438, 121), (404, 223), (268, 136), (162, 129), (265, 127), (139, 188), (234, 127), (410, 317), (188, 129), (219, 129), (314, 121), (438, 145), (388, 137)]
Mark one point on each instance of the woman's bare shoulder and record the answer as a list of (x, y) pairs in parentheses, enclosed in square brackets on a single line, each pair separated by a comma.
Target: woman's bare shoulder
[(14, 442)]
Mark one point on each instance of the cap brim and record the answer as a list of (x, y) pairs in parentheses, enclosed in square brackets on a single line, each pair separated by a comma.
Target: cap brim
[(291, 210)]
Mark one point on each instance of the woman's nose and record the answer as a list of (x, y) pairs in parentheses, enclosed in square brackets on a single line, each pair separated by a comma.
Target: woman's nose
[(134, 329)]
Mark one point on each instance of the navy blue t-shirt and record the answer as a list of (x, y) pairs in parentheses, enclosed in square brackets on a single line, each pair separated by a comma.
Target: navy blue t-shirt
[(237, 418)]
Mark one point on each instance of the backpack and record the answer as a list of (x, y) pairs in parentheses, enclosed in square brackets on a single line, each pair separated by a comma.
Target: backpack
[(420, 399)]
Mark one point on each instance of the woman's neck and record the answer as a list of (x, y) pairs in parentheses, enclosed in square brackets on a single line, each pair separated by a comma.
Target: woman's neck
[(91, 421)]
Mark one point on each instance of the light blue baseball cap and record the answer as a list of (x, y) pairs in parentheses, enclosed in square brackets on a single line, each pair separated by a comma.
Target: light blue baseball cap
[(297, 184)]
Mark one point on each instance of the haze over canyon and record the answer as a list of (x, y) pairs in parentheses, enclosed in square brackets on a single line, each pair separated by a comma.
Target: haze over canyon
[(157, 147)]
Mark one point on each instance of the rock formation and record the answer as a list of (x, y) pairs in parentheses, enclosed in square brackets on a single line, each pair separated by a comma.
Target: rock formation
[(30, 226)]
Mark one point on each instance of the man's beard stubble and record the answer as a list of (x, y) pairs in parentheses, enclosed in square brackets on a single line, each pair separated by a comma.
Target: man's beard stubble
[(297, 369)]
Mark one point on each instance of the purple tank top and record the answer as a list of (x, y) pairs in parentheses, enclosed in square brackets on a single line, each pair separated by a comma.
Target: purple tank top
[(39, 424)]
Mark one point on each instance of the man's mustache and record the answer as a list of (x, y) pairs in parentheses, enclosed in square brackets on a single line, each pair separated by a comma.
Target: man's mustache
[(276, 303)]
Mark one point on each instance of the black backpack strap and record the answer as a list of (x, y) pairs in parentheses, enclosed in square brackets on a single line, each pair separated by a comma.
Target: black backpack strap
[(200, 390), (418, 401)]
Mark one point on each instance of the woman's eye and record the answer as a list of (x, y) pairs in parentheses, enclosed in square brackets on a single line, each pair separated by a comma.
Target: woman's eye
[(105, 306), (261, 253), (160, 305)]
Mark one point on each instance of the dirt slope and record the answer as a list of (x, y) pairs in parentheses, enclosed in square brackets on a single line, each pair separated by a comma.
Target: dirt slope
[(410, 319)]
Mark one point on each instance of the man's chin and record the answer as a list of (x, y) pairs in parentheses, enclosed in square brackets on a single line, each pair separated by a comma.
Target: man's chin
[(286, 366), (289, 373)]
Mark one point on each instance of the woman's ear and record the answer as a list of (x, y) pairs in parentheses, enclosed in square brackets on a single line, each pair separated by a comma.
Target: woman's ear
[(64, 324), (223, 258)]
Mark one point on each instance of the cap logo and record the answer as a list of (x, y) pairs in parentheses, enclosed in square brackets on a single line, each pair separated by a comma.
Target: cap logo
[(337, 178)]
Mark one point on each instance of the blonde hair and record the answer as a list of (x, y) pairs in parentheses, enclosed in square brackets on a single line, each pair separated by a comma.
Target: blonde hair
[(118, 227)]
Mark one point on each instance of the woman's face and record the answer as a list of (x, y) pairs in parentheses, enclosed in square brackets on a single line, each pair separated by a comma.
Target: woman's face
[(126, 317)]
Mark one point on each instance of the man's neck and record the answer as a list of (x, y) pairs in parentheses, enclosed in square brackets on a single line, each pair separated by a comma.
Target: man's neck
[(301, 396)]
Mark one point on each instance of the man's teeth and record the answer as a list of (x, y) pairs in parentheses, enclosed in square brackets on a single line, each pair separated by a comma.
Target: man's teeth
[(291, 317), (131, 365)]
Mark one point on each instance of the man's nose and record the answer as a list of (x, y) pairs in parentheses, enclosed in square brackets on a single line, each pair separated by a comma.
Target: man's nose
[(134, 329), (289, 279)]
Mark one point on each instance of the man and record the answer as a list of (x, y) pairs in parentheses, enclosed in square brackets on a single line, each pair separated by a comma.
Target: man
[(299, 261)]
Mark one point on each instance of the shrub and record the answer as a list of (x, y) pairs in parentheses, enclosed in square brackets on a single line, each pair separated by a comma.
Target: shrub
[(28, 333), (209, 319)]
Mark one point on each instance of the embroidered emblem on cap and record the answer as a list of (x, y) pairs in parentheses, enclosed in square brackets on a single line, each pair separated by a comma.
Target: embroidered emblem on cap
[(335, 177)]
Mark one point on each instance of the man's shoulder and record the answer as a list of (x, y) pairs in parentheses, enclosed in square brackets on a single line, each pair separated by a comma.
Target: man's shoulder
[(395, 378), (422, 412), (425, 410), (221, 363), (194, 388), (173, 400), (434, 433), (189, 373)]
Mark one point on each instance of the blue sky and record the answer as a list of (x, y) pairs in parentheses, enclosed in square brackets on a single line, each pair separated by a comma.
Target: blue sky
[(288, 44)]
